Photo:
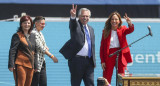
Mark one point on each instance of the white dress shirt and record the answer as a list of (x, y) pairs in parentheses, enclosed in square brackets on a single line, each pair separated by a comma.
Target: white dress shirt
[(84, 50)]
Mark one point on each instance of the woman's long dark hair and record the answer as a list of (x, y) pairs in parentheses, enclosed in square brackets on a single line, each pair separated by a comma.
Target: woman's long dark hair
[(23, 19), (107, 27)]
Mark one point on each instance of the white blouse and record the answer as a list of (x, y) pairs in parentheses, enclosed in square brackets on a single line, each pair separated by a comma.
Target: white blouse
[(114, 40)]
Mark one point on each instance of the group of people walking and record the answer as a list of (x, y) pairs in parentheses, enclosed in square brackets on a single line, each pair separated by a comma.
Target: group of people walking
[(26, 54), (28, 47)]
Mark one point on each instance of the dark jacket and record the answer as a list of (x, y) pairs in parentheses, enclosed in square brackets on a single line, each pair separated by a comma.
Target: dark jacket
[(22, 51), (77, 40)]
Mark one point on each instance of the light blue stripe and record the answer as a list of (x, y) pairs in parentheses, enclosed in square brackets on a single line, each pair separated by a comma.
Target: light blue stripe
[(89, 2)]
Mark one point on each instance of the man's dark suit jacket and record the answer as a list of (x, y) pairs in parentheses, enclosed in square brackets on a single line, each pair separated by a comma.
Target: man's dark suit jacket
[(77, 40)]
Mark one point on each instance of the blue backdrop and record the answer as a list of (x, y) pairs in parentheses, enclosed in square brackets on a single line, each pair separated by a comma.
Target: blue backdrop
[(145, 53)]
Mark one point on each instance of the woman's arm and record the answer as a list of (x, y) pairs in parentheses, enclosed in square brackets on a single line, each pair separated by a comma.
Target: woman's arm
[(13, 51)]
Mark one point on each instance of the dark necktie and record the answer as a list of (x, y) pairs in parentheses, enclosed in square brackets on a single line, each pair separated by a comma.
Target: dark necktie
[(89, 41)]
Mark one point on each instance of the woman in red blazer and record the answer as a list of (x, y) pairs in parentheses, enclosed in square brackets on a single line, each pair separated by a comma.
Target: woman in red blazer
[(113, 39)]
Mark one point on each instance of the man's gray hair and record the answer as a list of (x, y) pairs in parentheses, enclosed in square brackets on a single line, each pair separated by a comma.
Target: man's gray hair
[(84, 9)]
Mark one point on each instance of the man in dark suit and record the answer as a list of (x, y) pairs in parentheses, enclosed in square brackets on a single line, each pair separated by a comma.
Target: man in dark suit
[(80, 49)]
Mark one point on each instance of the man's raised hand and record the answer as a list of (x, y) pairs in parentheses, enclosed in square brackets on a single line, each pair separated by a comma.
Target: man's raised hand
[(73, 10)]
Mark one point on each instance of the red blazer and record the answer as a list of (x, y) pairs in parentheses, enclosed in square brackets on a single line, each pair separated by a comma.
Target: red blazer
[(105, 44)]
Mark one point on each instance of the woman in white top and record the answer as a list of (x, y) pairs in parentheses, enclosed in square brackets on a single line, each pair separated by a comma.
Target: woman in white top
[(113, 39)]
